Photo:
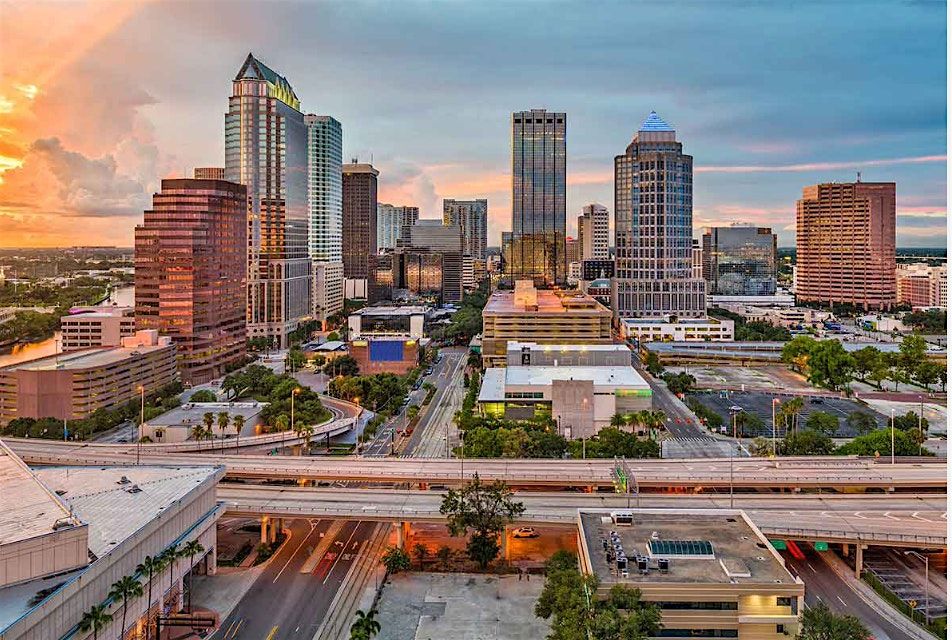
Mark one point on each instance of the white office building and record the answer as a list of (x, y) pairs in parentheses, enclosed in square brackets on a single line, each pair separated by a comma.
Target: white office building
[(325, 213)]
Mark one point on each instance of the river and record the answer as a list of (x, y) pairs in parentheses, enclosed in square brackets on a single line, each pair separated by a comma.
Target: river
[(123, 296)]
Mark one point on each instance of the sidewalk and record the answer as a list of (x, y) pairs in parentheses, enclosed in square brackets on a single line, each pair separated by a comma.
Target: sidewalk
[(222, 592), (866, 593)]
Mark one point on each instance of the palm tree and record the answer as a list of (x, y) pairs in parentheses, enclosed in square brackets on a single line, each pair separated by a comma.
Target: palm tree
[(95, 619), (421, 552), (281, 423), (223, 420), (125, 589), (171, 554), (238, 422), (365, 626), (654, 420), (198, 432), (191, 549), (209, 420), (150, 565), (618, 421), (304, 431)]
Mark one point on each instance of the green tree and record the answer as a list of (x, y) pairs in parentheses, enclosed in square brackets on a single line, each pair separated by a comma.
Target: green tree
[(805, 443), (653, 364), (909, 421), (282, 422), (679, 383), (862, 422), (223, 421), (618, 420), (396, 560), (912, 353), (879, 443), (125, 589), (420, 552), (203, 395), (483, 511), (820, 623), (171, 554), (238, 422), (191, 549), (208, 419), (305, 432), (929, 373), (866, 360), (94, 620), (788, 412), (797, 353), (444, 554), (823, 422), (342, 366), (830, 365), (150, 566), (365, 626)]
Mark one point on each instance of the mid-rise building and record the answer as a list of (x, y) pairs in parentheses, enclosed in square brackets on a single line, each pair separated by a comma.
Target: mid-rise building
[(581, 400), (360, 219), (846, 244), (71, 386), (711, 572), (572, 250), (697, 261), (537, 246), (653, 218), (533, 354), (740, 260), (921, 286), (638, 331), (386, 339), (393, 224), (191, 256), (593, 232), (87, 327), (527, 314), (209, 173), (472, 217), (68, 533), (266, 151), (325, 213)]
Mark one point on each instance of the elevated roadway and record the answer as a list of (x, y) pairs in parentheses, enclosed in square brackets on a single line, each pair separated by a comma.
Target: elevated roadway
[(834, 473), (908, 520)]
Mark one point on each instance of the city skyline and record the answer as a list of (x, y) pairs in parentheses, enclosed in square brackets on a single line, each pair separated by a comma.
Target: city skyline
[(94, 150)]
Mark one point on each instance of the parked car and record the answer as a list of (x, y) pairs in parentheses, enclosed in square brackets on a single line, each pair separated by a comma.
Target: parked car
[(525, 532)]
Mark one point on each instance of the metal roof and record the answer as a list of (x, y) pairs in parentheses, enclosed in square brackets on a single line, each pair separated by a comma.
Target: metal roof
[(654, 123)]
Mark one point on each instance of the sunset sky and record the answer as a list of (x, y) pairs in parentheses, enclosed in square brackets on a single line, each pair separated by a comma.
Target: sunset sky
[(98, 101)]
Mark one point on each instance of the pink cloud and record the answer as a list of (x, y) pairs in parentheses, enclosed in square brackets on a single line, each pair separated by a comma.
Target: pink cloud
[(818, 166)]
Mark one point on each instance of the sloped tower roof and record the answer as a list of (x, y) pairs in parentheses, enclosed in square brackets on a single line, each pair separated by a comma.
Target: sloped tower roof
[(654, 123), (254, 69)]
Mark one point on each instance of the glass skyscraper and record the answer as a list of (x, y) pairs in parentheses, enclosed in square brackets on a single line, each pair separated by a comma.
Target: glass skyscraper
[(266, 150), (653, 218), (740, 261), (537, 249), (471, 216), (325, 213)]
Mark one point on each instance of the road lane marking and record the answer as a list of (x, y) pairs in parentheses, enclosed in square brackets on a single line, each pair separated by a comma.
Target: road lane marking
[(337, 559), (303, 540), (811, 567), (240, 622), (274, 630), (841, 600)]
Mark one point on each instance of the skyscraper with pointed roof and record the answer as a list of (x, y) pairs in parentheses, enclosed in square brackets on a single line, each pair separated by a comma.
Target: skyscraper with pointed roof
[(653, 219), (266, 150)]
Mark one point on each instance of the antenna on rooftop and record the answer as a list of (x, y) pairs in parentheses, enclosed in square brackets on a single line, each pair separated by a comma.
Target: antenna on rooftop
[(859, 176)]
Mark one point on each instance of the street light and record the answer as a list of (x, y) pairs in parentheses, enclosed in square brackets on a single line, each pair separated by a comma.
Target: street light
[(773, 424), (141, 390), (921, 438), (925, 559), (294, 392), (892, 436)]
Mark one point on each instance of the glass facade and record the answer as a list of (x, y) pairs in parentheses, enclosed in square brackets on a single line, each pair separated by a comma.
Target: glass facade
[(537, 251), (266, 150), (324, 190), (471, 217), (653, 219), (360, 219), (740, 261)]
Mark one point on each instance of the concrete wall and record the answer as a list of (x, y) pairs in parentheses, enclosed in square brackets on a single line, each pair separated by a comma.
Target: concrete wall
[(573, 407)]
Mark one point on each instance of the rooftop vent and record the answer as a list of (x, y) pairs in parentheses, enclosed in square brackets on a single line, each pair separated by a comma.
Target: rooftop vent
[(123, 480), (62, 523), (735, 568), (134, 489), (684, 548)]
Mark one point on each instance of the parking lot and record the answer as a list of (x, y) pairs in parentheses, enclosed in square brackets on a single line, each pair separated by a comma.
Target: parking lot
[(758, 403), (762, 378)]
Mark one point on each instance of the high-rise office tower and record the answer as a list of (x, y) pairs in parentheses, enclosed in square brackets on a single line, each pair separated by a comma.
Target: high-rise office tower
[(360, 218), (325, 213), (393, 223), (266, 150), (593, 232), (846, 244), (190, 258), (537, 250), (209, 173), (471, 216), (653, 217), (739, 261)]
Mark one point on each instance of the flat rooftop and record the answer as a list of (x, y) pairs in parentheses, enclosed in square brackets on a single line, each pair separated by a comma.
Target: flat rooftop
[(192, 413), (99, 497), (679, 321), (764, 348), (739, 552), (391, 310), (35, 508), (514, 345), (84, 359), (497, 379), (548, 303)]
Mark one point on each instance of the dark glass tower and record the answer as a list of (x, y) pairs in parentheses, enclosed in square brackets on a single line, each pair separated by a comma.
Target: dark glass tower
[(537, 250)]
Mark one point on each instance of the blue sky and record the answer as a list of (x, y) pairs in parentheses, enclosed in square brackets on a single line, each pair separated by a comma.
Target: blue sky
[(767, 96)]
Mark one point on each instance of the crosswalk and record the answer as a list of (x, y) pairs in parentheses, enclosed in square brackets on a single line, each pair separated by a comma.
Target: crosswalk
[(694, 447)]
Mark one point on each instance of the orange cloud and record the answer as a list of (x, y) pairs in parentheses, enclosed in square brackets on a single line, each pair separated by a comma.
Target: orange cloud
[(818, 166)]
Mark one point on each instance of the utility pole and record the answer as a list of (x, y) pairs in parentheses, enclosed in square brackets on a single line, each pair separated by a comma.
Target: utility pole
[(141, 422), (892, 437)]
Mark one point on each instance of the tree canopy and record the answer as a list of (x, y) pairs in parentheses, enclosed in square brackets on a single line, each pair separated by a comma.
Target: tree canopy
[(481, 510)]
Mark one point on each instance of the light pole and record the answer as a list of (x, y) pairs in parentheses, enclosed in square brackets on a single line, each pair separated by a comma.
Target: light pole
[(892, 436), (773, 424), (921, 437), (141, 390), (294, 392), (925, 559)]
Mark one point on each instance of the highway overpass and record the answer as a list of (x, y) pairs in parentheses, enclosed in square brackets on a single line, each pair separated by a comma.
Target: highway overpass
[(831, 473), (906, 520)]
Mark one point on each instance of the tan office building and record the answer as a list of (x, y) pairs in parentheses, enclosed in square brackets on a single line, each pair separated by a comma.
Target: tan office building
[(712, 572), (543, 316), (846, 244), (87, 327), (70, 386)]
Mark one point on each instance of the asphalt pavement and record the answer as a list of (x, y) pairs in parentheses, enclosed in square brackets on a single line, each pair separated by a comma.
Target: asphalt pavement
[(285, 603), (823, 585)]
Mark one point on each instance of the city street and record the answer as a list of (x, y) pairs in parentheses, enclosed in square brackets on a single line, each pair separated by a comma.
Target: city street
[(824, 585), (286, 603)]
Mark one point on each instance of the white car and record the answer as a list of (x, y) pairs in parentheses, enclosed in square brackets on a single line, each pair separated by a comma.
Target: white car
[(525, 532)]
